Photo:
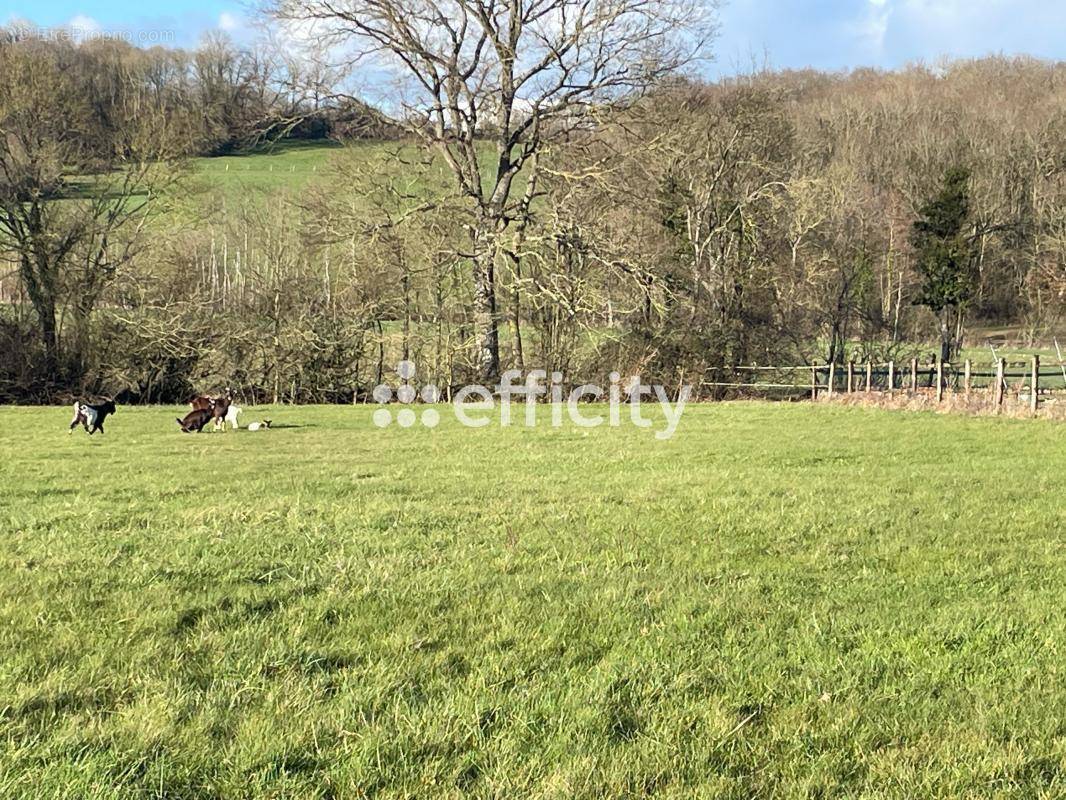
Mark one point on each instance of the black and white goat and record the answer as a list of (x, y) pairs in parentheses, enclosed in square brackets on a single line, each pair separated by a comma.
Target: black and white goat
[(91, 417)]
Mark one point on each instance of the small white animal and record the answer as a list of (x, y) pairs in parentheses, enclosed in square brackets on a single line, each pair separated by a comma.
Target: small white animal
[(259, 426), (231, 417)]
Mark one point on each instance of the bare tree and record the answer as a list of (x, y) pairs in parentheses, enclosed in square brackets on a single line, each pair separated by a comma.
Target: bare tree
[(79, 167), (511, 73)]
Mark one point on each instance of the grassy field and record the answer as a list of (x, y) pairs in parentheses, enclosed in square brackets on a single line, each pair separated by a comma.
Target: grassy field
[(287, 168), (781, 601), (286, 165)]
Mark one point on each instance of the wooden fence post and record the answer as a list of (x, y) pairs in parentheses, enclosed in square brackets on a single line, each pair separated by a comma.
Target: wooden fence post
[(832, 376), (814, 382), (914, 375), (939, 379), (869, 377), (1001, 367), (851, 377), (891, 377), (967, 380), (1034, 388)]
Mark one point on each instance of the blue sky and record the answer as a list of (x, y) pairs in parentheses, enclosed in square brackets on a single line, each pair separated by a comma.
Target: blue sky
[(837, 34), (827, 34)]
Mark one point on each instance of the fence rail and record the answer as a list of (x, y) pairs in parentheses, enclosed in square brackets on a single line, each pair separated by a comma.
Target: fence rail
[(1026, 379)]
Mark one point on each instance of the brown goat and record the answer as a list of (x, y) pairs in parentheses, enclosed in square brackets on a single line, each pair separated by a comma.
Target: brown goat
[(195, 421), (217, 406)]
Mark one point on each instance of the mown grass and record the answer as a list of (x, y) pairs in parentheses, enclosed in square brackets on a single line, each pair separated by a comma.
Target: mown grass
[(781, 601)]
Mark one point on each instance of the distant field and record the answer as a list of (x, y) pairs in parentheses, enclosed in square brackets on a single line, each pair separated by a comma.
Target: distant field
[(292, 166), (783, 600), (283, 166)]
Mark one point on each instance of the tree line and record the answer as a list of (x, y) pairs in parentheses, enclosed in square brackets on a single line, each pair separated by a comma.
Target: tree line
[(566, 197)]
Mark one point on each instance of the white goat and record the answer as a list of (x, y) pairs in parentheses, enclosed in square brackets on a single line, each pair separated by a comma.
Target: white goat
[(231, 417)]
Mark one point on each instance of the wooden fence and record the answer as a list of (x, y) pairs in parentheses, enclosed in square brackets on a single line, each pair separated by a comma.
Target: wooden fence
[(1023, 378)]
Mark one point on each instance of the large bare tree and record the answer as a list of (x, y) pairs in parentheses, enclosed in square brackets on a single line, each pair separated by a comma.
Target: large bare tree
[(488, 82)]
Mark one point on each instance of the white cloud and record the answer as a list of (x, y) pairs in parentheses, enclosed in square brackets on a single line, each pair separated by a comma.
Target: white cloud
[(81, 24), (875, 27), (871, 27), (228, 21)]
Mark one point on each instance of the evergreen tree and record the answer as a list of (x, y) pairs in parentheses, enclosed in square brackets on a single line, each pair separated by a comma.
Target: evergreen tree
[(945, 257)]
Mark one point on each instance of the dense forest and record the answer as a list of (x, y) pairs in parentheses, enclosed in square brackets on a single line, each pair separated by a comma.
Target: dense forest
[(665, 229)]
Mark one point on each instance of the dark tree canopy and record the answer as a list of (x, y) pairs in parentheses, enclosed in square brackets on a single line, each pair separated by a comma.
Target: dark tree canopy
[(944, 257), (942, 246)]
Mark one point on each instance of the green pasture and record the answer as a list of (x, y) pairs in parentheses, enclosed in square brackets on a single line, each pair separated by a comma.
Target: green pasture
[(781, 601)]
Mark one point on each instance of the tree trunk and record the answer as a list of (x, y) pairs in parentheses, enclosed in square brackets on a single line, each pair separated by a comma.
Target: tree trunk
[(946, 339), (277, 345), (406, 283), (77, 346), (380, 374), (40, 288), (486, 326), (516, 310), (486, 317), (837, 344), (46, 315)]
